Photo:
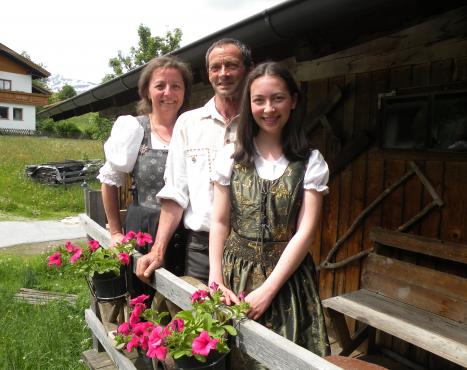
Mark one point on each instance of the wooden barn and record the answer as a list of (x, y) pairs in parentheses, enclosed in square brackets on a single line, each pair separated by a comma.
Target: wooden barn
[(385, 83)]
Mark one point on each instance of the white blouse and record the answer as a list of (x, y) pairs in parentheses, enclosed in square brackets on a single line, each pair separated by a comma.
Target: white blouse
[(316, 174), (121, 150)]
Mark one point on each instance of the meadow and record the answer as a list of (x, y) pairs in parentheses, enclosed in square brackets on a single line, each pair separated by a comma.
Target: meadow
[(20, 197), (50, 336)]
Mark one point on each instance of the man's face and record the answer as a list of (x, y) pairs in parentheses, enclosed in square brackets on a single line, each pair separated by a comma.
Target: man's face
[(226, 71)]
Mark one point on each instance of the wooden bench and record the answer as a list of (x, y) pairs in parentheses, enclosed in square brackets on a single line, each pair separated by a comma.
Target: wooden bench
[(417, 304)]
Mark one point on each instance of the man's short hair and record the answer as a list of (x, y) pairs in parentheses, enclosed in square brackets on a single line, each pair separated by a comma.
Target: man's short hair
[(245, 50)]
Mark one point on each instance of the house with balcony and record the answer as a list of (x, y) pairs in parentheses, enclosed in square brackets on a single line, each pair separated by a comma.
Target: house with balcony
[(19, 97)]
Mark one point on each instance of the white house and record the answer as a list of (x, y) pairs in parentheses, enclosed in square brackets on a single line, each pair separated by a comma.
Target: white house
[(18, 96)]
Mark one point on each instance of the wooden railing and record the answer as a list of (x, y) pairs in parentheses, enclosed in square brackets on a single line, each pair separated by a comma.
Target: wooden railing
[(269, 348)]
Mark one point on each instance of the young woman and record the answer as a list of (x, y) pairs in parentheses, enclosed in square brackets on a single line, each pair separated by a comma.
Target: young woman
[(138, 146), (267, 205)]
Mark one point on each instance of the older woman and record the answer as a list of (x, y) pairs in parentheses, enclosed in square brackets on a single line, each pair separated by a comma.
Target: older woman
[(138, 146)]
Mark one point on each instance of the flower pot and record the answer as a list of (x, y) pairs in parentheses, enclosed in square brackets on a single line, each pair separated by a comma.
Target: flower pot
[(215, 361), (108, 286)]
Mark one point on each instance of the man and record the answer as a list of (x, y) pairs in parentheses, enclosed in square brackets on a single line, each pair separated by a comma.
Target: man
[(198, 136)]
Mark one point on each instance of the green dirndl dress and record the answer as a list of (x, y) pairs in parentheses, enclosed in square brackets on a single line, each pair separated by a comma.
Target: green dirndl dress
[(263, 219)]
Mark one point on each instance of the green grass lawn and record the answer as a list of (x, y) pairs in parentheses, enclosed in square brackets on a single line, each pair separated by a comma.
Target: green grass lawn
[(50, 336), (21, 197)]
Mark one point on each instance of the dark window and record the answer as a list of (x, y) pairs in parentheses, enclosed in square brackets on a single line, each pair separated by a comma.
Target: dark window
[(5, 84), (3, 112), (436, 121), (18, 114)]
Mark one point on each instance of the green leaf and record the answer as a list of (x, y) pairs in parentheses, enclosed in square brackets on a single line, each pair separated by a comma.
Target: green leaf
[(230, 329)]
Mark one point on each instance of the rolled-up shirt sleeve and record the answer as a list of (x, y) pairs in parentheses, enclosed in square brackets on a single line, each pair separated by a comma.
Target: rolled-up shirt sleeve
[(175, 175), (317, 173), (121, 150)]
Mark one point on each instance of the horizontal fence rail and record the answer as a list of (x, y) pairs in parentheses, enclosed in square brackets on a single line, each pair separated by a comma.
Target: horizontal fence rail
[(269, 348)]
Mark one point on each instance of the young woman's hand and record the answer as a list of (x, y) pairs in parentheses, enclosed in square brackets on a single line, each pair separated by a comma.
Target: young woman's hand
[(259, 299), (228, 297)]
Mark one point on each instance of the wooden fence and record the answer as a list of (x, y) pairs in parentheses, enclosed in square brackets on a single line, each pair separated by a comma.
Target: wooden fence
[(271, 349)]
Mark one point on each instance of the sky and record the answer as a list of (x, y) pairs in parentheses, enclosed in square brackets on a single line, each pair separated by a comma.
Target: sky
[(76, 39)]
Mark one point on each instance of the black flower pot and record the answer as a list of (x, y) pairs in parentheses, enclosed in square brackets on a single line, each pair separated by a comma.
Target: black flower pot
[(109, 286), (215, 361)]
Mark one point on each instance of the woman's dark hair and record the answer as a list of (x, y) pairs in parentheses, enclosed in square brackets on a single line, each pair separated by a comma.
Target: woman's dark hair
[(144, 105), (295, 145)]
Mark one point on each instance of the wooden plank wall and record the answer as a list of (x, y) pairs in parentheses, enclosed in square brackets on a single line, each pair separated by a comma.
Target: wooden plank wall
[(370, 173)]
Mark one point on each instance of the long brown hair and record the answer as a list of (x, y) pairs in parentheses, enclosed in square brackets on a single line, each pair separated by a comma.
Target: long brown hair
[(144, 105), (295, 146)]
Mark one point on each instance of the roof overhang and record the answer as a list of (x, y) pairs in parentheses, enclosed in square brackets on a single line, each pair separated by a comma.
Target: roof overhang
[(308, 29)]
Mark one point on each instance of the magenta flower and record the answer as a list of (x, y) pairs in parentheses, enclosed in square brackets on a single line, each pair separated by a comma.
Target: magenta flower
[(124, 328), (214, 286), (55, 259), (203, 344), (140, 299), (143, 238), (176, 325), (129, 235), (124, 258), (77, 254), (134, 342), (134, 317), (156, 344), (241, 296), (198, 295), (70, 247), (93, 245)]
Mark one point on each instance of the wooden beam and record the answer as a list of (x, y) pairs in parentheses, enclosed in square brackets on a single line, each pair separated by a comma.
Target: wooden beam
[(437, 39), (99, 331), (271, 349), (456, 252)]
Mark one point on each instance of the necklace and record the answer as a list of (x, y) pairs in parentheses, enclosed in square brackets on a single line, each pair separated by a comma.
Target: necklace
[(154, 130)]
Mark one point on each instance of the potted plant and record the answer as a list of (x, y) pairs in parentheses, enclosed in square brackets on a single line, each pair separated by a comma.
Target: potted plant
[(103, 268), (194, 338)]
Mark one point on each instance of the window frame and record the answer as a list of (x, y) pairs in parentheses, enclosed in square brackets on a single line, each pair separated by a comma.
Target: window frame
[(21, 112), (2, 84), (7, 112), (430, 95)]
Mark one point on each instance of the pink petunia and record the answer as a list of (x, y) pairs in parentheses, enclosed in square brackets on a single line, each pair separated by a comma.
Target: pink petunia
[(124, 328), (134, 317), (133, 343), (77, 254), (176, 325), (93, 245), (203, 344), (143, 238), (199, 295), (55, 259), (124, 258), (70, 247), (241, 296), (140, 299), (129, 235), (156, 343)]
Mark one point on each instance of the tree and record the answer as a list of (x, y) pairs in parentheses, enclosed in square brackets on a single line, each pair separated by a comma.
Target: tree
[(148, 47), (66, 92)]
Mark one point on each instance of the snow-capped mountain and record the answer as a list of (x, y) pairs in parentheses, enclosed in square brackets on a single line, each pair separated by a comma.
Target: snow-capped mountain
[(56, 82)]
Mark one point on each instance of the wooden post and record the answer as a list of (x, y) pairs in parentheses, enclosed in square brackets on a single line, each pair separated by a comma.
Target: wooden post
[(94, 207)]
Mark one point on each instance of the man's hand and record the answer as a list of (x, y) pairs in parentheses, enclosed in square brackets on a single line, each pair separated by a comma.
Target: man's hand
[(147, 264), (115, 238)]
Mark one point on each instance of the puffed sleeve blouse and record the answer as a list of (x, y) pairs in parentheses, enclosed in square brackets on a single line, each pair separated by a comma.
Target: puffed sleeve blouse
[(121, 150), (316, 174)]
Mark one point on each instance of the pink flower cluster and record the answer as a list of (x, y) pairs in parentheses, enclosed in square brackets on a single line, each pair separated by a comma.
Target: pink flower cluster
[(152, 338)]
